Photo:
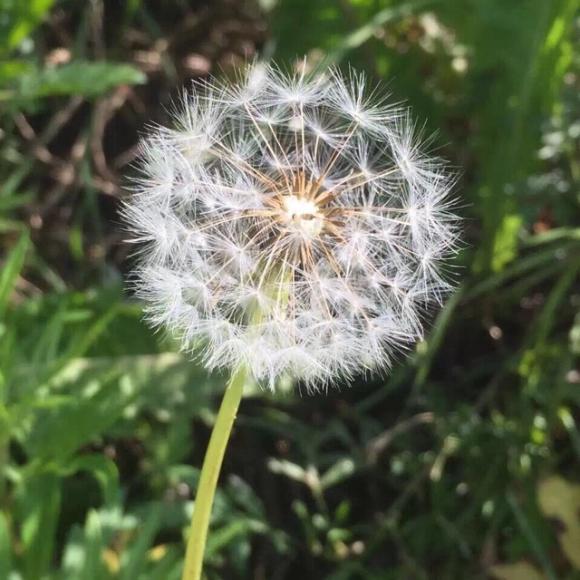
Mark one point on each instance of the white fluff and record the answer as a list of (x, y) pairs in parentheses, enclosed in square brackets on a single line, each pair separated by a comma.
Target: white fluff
[(292, 224)]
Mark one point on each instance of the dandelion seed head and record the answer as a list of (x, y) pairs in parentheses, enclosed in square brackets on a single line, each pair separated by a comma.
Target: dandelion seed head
[(294, 224)]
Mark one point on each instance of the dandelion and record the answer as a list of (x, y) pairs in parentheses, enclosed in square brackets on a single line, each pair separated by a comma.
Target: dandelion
[(290, 224)]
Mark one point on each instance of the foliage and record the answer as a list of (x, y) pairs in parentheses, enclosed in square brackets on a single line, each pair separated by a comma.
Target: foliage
[(458, 465)]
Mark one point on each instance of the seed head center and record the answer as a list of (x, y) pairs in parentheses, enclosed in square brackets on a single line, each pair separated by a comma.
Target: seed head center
[(302, 215)]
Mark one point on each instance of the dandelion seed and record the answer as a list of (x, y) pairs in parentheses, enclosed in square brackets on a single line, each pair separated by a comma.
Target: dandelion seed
[(291, 224)]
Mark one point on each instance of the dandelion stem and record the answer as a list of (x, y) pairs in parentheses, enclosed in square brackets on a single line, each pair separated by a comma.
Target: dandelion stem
[(210, 474)]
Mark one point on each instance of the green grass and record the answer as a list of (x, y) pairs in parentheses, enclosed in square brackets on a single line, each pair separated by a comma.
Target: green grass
[(437, 471)]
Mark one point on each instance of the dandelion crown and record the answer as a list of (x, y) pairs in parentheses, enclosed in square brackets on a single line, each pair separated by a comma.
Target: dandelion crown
[(291, 224)]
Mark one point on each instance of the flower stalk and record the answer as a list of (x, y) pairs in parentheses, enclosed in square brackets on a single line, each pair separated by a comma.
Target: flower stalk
[(210, 474)]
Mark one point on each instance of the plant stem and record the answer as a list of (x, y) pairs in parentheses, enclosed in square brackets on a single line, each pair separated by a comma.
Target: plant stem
[(210, 474)]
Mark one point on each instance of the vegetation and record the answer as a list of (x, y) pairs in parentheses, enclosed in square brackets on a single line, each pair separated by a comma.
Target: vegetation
[(464, 463)]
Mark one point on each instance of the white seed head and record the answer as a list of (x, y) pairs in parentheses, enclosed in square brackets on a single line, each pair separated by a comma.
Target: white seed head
[(292, 224)]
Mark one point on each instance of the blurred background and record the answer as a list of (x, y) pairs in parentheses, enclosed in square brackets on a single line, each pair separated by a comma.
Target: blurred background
[(463, 463)]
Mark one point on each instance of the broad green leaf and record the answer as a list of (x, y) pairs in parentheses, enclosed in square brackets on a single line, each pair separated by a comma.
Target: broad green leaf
[(85, 78)]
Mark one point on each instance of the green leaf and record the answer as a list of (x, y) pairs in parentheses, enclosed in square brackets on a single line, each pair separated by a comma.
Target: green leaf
[(238, 528), (10, 70), (19, 19), (102, 469), (341, 470), (530, 533), (575, 335), (289, 469), (433, 344), (38, 503), (524, 50), (84, 78), (134, 559), (5, 547), (11, 202), (57, 432), (93, 564), (505, 247), (91, 552), (74, 555), (168, 567), (301, 26), (365, 32), (11, 269)]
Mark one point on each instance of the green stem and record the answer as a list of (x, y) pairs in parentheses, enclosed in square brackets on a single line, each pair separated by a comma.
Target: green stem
[(210, 474)]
